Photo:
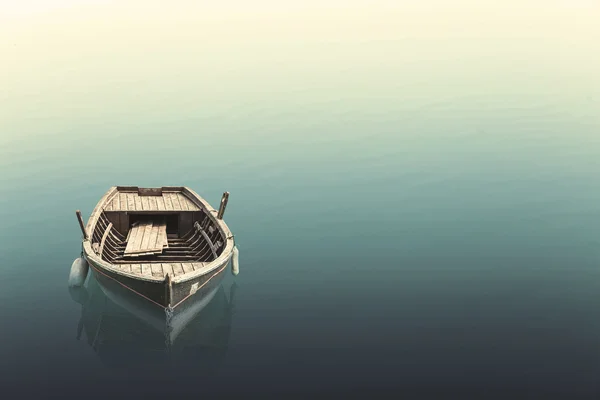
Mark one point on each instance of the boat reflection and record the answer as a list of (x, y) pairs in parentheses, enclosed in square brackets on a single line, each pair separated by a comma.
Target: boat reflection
[(123, 328)]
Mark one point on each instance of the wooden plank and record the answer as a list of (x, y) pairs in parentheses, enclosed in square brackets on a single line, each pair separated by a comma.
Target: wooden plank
[(131, 237), (137, 201), (126, 267), (149, 191), (153, 236), (140, 254), (175, 201), (167, 269), (136, 241), (145, 203), (146, 239), (190, 204), (129, 232), (182, 201), (178, 258), (198, 265), (104, 236), (177, 269), (146, 270), (123, 220), (136, 269), (152, 203), (116, 204), (131, 202), (123, 201), (160, 203), (161, 239), (187, 267), (157, 270), (167, 200)]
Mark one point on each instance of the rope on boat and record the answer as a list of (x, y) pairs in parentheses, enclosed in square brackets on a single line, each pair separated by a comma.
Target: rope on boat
[(201, 286), (127, 287), (169, 309)]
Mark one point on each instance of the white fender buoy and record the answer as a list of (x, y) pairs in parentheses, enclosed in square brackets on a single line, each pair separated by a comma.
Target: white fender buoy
[(79, 271), (235, 262)]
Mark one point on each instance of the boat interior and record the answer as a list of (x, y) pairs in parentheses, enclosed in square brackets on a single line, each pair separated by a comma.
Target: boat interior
[(128, 237)]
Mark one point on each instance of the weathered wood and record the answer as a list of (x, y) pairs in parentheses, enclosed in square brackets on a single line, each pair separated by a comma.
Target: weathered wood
[(188, 253), (137, 201), (157, 270), (81, 225), (116, 204), (124, 202), (168, 289), (146, 270), (167, 269), (224, 201), (136, 269), (177, 269), (187, 267), (135, 242), (153, 236), (169, 258), (146, 239), (198, 265), (175, 201), (150, 200), (210, 243), (148, 253), (103, 241), (167, 200), (149, 191), (145, 203), (160, 203), (161, 239), (127, 188), (132, 236), (183, 201), (104, 221)]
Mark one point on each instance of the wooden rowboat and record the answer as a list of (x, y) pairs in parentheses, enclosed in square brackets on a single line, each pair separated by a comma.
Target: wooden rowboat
[(164, 244)]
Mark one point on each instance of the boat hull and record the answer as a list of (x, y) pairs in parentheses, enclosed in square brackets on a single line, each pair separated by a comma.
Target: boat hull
[(157, 291)]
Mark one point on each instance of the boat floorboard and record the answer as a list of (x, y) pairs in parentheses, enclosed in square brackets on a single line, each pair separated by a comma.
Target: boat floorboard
[(166, 201), (146, 238)]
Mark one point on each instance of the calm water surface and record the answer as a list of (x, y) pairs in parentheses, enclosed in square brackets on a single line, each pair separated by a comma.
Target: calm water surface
[(416, 211)]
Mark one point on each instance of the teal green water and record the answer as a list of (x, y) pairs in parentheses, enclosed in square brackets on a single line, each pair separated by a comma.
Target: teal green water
[(414, 194)]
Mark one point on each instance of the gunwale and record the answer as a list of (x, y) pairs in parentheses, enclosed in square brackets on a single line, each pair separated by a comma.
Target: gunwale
[(128, 198), (202, 204)]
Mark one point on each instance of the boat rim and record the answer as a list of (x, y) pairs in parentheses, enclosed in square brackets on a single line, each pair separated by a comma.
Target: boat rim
[(198, 201)]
